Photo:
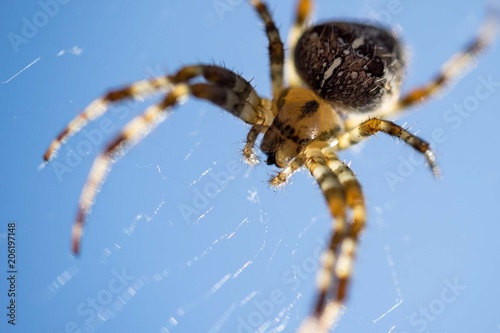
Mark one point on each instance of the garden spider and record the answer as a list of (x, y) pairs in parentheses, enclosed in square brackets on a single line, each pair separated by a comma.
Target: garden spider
[(344, 79)]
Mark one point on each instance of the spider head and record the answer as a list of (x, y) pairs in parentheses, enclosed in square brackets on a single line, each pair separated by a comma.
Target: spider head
[(302, 117)]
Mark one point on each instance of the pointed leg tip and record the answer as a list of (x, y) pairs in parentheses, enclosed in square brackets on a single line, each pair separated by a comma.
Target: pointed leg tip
[(437, 173), (251, 159), (47, 156), (77, 233), (75, 245), (75, 250)]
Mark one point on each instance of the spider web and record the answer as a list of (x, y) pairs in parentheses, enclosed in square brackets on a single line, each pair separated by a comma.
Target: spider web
[(252, 267), (206, 246)]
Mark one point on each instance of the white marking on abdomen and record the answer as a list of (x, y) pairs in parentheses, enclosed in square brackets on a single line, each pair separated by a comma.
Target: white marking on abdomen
[(328, 73)]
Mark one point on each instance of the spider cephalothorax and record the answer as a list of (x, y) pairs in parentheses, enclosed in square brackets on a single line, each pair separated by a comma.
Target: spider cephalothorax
[(344, 78), (301, 118)]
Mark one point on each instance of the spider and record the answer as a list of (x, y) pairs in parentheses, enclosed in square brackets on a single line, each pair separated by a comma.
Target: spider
[(344, 81)]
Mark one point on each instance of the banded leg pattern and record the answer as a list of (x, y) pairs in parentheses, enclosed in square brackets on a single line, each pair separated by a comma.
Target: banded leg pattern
[(213, 74), (234, 97), (455, 66), (345, 264), (334, 194), (302, 16), (282, 177), (374, 125), (337, 266), (276, 51)]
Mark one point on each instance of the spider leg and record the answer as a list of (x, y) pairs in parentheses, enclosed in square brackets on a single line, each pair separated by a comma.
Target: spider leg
[(136, 129), (269, 113), (335, 196), (352, 188), (355, 201), (453, 68), (303, 13), (276, 52), (282, 177), (371, 126), (345, 240), (100, 105), (140, 89), (248, 152)]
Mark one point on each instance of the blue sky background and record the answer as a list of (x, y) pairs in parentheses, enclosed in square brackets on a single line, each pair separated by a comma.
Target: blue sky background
[(428, 260)]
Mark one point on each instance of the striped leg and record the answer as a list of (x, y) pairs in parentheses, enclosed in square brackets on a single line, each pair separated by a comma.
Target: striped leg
[(268, 117), (140, 89), (248, 152), (352, 188), (335, 196), (141, 125), (276, 52), (344, 267), (99, 106), (282, 177), (374, 125), (343, 272), (323, 321), (454, 67), (303, 13)]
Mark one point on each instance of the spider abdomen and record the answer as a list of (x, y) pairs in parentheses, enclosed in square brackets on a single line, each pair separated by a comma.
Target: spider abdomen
[(356, 67)]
